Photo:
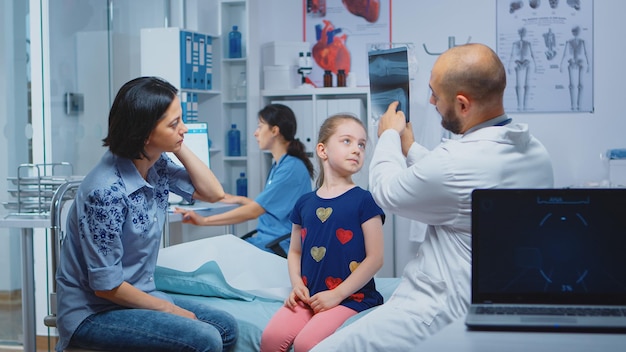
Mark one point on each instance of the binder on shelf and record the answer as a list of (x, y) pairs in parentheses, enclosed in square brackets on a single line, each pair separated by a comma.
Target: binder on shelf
[(186, 65), (199, 56), (184, 102), (194, 107), (195, 60), (209, 62)]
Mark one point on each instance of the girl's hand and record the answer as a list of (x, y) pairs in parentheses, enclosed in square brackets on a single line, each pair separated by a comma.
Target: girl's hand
[(298, 293), (325, 300)]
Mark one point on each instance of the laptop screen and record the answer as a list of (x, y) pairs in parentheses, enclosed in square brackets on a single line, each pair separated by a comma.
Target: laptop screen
[(563, 246)]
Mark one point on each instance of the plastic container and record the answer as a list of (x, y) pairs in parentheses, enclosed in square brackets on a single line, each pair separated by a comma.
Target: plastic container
[(280, 77), (242, 185), (234, 43), (234, 141)]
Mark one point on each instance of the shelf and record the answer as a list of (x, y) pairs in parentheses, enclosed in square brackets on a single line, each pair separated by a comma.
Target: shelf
[(236, 158), (235, 102), (201, 91), (241, 60), (315, 91)]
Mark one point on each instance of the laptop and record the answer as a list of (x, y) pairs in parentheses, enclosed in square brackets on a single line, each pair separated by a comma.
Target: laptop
[(548, 259)]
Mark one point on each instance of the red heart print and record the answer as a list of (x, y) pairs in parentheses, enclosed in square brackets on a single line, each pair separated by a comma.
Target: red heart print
[(332, 282), (344, 236), (303, 233), (358, 297)]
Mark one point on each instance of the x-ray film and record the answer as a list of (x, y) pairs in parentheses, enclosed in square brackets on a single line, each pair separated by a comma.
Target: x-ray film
[(389, 80)]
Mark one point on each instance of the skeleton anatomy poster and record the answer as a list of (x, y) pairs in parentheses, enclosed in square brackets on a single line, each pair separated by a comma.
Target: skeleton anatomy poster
[(340, 32), (547, 49)]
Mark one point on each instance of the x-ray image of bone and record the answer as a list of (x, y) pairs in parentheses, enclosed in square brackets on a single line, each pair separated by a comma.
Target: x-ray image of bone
[(393, 72), (575, 53), (389, 80), (382, 99), (550, 41), (521, 59)]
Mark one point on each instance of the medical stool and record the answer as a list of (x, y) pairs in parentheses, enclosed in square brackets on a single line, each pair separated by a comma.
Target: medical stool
[(64, 193)]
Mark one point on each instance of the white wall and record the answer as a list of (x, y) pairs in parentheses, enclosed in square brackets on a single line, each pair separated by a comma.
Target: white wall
[(574, 140)]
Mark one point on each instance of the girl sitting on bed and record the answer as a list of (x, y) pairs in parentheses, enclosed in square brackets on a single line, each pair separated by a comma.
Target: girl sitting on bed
[(336, 245)]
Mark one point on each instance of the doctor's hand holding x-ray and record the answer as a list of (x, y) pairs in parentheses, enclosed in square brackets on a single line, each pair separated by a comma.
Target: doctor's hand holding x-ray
[(396, 120)]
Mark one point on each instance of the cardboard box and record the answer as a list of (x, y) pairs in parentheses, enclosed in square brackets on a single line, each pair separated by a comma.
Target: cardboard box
[(283, 53), (279, 77)]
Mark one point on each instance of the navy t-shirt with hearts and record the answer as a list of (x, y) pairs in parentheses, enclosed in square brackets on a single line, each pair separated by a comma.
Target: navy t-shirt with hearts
[(333, 244)]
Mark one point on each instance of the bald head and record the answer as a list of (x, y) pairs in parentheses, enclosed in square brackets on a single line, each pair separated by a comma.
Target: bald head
[(473, 70)]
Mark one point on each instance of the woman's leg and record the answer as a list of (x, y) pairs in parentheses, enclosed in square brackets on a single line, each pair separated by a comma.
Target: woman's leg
[(321, 326), (283, 328), (145, 330), (224, 322)]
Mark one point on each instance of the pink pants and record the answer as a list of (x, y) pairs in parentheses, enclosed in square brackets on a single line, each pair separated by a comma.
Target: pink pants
[(301, 327)]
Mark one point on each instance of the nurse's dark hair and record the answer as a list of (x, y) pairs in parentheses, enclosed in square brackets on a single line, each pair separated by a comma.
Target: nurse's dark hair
[(283, 117), (138, 106)]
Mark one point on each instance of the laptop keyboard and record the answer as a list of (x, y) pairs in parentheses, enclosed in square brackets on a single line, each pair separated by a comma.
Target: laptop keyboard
[(563, 311)]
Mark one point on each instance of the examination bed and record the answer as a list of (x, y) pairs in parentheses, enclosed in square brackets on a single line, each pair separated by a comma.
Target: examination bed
[(228, 273), (224, 271)]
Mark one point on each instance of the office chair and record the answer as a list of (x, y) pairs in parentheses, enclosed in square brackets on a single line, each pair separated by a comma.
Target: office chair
[(273, 245)]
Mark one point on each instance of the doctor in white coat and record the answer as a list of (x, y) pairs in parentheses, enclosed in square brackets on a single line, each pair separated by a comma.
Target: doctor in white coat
[(434, 187)]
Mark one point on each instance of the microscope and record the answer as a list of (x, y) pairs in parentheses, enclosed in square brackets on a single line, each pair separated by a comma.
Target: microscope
[(305, 66)]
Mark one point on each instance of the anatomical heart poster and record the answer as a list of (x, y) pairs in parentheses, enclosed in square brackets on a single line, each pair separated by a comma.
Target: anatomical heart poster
[(339, 32)]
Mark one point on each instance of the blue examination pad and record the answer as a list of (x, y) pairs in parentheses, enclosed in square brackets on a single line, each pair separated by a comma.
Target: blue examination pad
[(207, 280)]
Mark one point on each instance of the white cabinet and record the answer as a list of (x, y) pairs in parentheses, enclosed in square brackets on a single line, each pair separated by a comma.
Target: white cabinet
[(313, 105)]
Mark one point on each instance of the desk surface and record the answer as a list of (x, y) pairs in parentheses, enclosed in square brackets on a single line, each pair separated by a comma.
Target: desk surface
[(202, 208), (456, 337)]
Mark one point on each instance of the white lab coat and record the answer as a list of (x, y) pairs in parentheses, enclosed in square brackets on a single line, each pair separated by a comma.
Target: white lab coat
[(434, 187)]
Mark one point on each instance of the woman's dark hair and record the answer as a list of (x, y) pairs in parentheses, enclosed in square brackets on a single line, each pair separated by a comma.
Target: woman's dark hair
[(136, 110), (282, 116)]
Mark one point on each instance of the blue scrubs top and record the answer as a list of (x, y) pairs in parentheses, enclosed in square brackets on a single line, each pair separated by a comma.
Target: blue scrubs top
[(287, 181)]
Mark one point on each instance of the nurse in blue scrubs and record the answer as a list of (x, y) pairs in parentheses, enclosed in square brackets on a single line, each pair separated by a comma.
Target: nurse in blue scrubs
[(288, 179)]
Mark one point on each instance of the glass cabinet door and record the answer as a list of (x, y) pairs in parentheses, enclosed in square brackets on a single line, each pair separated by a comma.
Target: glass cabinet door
[(82, 51), (15, 143)]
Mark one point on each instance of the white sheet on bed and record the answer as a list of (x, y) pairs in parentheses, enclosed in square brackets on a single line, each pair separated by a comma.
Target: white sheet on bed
[(244, 266)]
